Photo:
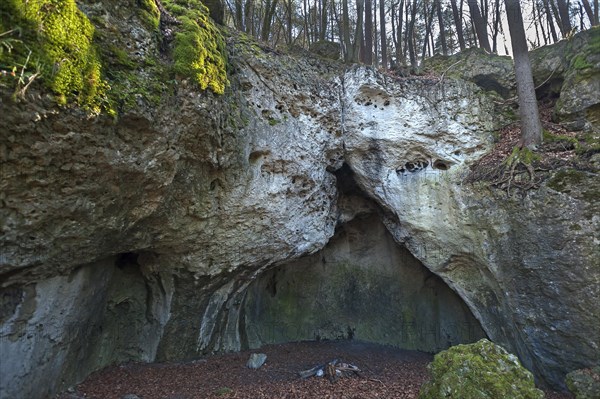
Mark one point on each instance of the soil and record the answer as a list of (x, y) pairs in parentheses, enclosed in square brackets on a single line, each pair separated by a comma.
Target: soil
[(386, 372)]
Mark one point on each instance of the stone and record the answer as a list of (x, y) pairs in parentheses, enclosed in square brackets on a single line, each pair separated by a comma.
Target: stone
[(482, 370), (326, 49), (130, 396), (256, 360), (585, 383)]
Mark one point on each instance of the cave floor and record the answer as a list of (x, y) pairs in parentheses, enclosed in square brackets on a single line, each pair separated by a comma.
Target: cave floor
[(386, 373)]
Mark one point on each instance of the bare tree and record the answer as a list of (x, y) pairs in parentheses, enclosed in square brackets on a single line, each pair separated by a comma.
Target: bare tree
[(550, 21), (368, 56), (564, 17), (383, 34), (480, 25), (458, 25), (440, 16), (593, 16), (531, 127), (411, 35)]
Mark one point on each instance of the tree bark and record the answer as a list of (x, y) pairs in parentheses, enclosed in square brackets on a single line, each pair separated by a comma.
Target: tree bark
[(438, 5), (383, 34), (565, 19), (368, 32), (480, 25), (458, 25), (358, 35), (411, 35), (550, 21), (531, 127), (348, 53), (590, 12)]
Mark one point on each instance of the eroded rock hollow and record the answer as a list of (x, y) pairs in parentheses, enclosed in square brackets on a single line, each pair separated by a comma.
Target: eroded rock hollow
[(307, 193)]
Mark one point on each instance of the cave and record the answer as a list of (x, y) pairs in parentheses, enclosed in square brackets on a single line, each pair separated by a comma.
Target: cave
[(362, 285)]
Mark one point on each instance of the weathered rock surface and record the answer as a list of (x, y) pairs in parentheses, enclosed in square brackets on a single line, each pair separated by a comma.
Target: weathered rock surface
[(585, 383), (479, 371), (137, 238)]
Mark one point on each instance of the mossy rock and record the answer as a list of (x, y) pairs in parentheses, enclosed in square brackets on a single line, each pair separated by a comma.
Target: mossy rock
[(482, 370), (199, 50), (54, 39), (585, 383)]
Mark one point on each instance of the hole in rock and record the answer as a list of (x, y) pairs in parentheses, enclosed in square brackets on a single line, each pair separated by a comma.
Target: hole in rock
[(362, 285), (441, 165)]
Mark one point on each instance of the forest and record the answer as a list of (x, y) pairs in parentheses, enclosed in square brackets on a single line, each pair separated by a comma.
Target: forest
[(392, 34)]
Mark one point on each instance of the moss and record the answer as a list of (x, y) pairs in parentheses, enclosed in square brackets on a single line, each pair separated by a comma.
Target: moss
[(273, 121), (567, 141), (563, 179), (149, 13), (480, 370), (199, 51), (523, 155), (57, 37), (223, 391)]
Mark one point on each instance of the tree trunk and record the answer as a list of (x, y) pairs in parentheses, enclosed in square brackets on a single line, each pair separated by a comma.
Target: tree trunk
[(239, 15), (368, 32), (480, 25), (411, 35), (348, 55), (440, 16), (565, 19), (383, 35), (550, 21), (358, 34), (531, 127), (458, 25), (428, 23), (590, 12), (496, 27), (248, 17)]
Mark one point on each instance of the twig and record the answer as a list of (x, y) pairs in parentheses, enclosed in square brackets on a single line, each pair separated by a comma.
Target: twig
[(446, 71)]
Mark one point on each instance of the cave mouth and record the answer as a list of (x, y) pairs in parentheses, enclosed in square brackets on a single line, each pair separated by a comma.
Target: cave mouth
[(362, 285)]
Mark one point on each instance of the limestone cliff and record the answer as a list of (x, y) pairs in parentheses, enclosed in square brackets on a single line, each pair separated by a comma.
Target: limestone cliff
[(155, 234)]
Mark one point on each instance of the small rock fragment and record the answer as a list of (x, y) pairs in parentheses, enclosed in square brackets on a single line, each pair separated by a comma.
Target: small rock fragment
[(256, 360)]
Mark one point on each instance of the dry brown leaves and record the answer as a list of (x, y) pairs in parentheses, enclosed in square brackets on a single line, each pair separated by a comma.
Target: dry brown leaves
[(386, 373), (551, 155)]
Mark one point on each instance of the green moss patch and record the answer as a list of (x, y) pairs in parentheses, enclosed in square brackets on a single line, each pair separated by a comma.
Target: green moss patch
[(481, 370), (55, 40), (199, 50)]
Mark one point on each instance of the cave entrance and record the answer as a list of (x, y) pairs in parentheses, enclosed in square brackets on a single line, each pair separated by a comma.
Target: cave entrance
[(362, 285)]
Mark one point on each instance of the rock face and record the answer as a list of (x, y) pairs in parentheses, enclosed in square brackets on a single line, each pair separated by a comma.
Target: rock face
[(153, 236), (479, 371)]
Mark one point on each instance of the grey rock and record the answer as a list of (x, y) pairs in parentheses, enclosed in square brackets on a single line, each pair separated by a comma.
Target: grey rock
[(256, 360), (326, 49), (585, 383)]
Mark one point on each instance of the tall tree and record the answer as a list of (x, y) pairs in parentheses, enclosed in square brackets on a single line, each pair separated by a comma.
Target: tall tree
[(358, 33), (440, 17), (480, 25), (550, 21), (411, 35), (383, 34), (348, 48), (368, 56), (531, 127), (593, 16), (565, 17), (323, 30), (458, 25)]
